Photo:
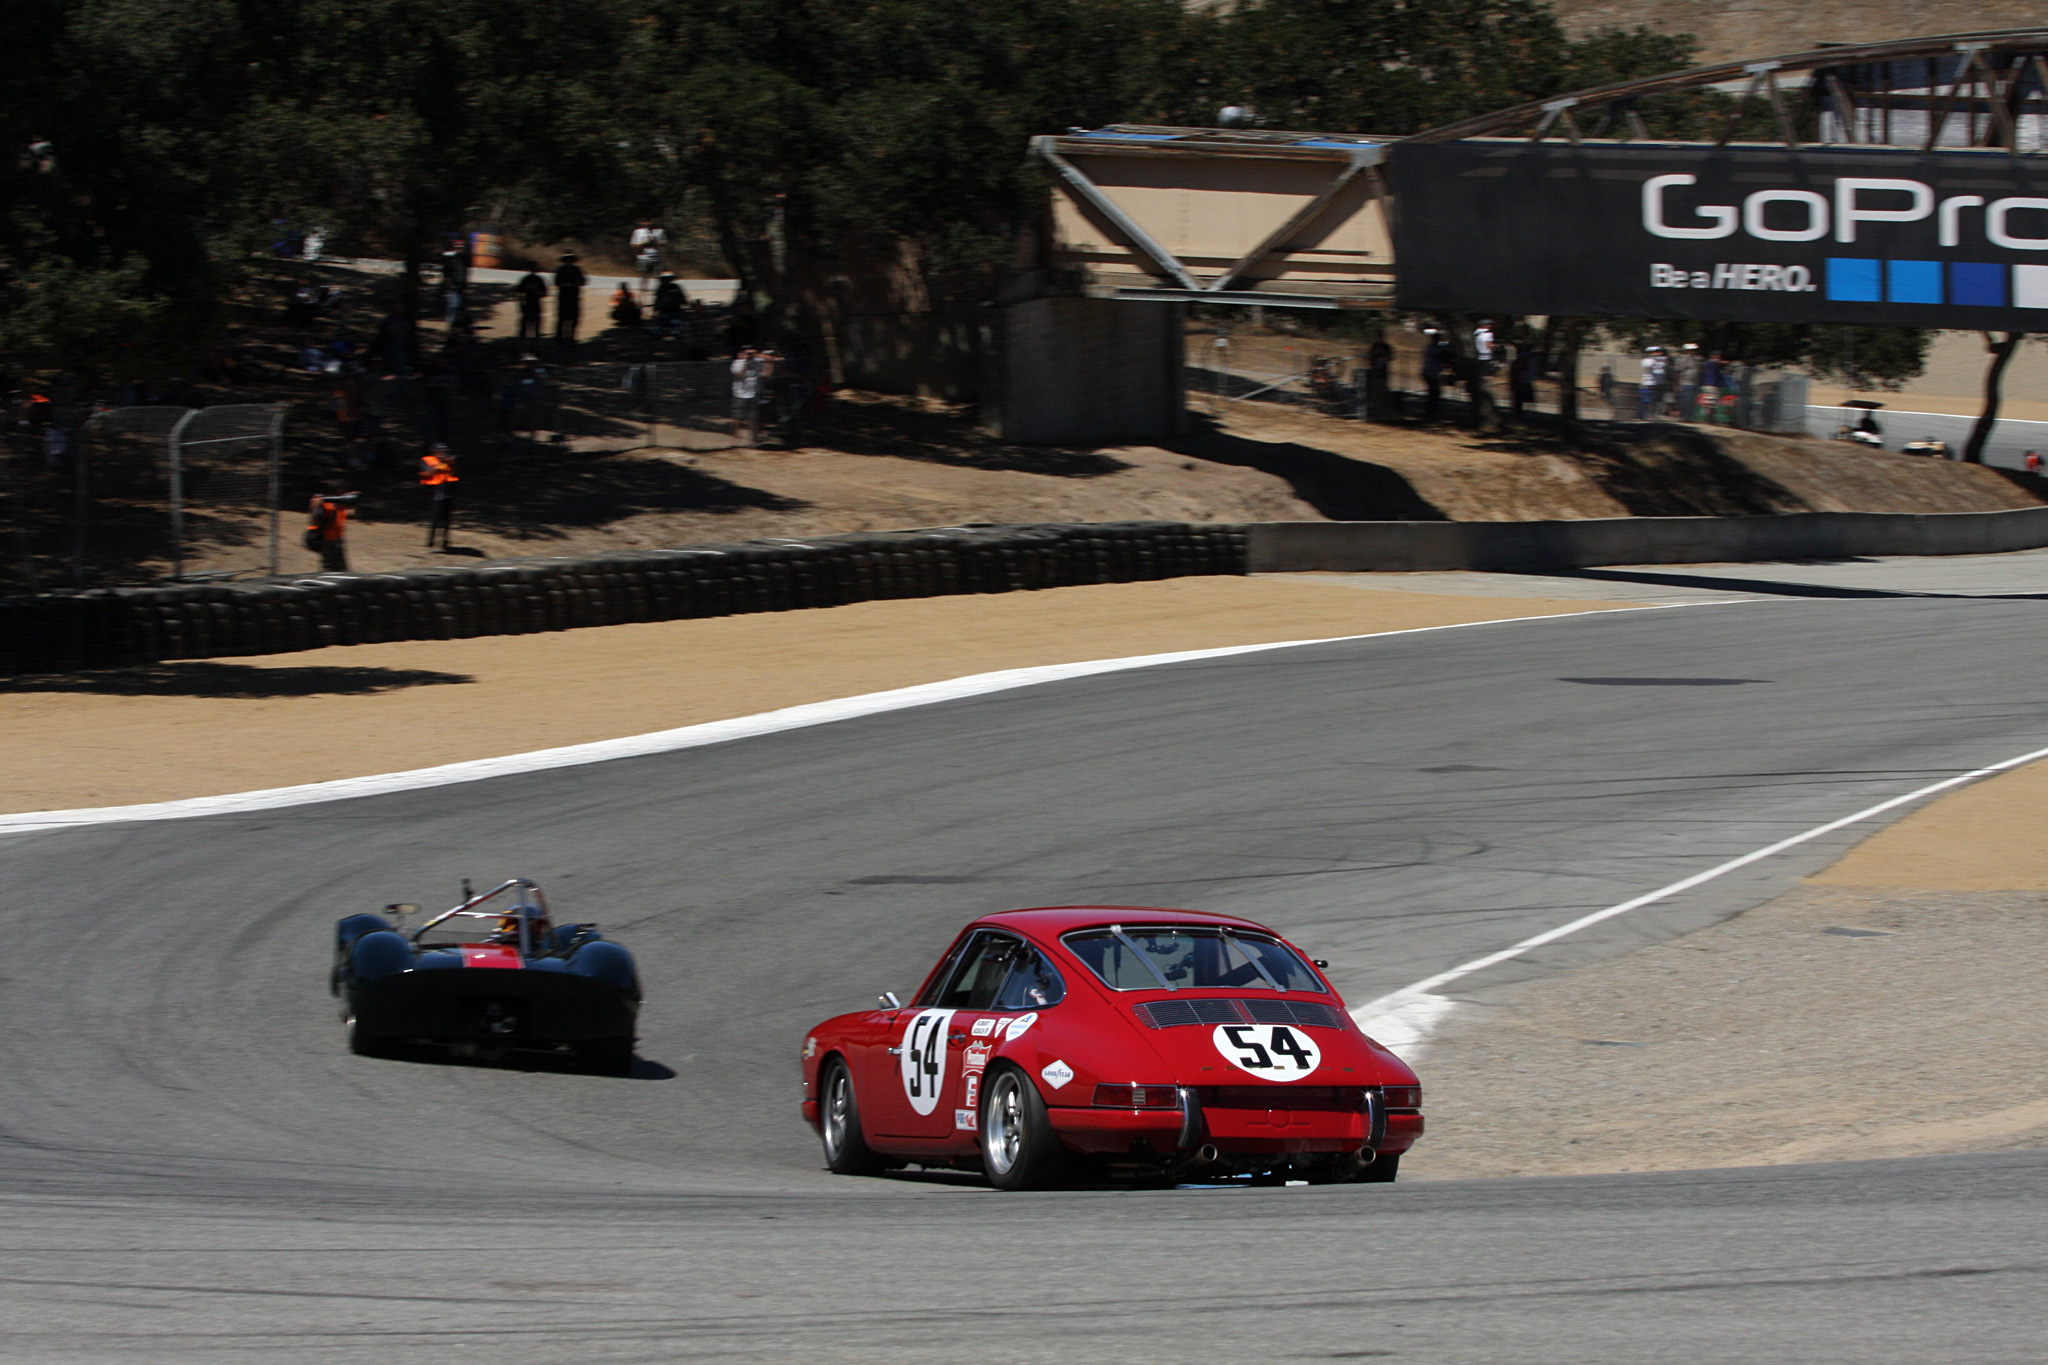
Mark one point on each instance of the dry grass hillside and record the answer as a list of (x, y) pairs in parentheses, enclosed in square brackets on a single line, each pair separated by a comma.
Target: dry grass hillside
[(1736, 29)]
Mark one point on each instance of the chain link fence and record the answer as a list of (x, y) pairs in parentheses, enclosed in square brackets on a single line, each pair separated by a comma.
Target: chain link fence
[(102, 490)]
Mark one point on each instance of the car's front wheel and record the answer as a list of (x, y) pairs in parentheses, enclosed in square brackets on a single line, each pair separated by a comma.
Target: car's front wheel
[(1019, 1149), (846, 1150)]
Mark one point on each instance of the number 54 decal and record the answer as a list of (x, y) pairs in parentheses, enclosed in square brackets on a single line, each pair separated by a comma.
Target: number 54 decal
[(924, 1058), (1272, 1052)]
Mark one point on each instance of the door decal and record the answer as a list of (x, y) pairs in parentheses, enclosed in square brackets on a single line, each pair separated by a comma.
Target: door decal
[(924, 1058)]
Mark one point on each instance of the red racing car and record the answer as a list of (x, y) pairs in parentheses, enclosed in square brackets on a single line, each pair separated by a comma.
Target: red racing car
[(1130, 1042)]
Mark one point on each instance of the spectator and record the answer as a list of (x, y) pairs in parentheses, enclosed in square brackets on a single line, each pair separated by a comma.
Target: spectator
[(669, 306), (1379, 364), (1607, 383), (2033, 460), (569, 282), (1650, 398), (749, 371), (1484, 346), (1713, 378), (57, 444), (1689, 369), (1522, 374), (625, 308), (327, 529), (531, 290), (647, 241), (1436, 358), (438, 477)]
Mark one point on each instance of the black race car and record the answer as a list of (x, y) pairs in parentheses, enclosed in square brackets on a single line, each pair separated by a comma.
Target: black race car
[(485, 981)]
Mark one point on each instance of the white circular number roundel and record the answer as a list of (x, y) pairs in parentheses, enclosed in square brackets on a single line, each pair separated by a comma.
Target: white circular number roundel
[(1272, 1052), (924, 1058)]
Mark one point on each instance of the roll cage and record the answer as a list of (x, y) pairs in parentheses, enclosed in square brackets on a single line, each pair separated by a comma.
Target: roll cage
[(529, 907)]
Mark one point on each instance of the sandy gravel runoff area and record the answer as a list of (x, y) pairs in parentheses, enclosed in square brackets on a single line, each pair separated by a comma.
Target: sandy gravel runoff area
[(1908, 979), (202, 728), (1912, 974)]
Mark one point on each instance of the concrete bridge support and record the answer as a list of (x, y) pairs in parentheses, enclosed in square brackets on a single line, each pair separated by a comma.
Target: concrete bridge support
[(1086, 371)]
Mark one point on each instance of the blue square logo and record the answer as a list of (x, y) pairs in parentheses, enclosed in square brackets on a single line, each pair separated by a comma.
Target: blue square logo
[(1854, 281), (1913, 281), (1973, 284)]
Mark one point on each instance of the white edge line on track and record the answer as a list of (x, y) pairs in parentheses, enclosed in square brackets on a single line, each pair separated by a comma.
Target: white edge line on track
[(709, 732), (1405, 1019)]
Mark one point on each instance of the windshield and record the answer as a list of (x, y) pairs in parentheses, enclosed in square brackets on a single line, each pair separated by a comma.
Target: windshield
[(1180, 957)]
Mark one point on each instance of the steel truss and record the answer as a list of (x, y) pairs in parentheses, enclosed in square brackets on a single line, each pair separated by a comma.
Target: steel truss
[(1966, 90)]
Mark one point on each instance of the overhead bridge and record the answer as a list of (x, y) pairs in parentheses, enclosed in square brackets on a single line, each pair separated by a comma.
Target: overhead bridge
[(1222, 216), (1897, 184)]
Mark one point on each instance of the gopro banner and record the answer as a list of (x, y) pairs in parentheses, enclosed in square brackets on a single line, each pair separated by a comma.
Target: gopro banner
[(1880, 237)]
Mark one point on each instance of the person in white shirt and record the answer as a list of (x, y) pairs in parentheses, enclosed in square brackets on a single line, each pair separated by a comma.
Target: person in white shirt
[(750, 370), (1655, 370), (647, 241)]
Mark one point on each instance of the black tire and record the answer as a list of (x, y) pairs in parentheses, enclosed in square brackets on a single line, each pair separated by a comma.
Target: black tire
[(846, 1147), (1019, 1149), (1381, 1172), (365, 1044), (607, 1056)]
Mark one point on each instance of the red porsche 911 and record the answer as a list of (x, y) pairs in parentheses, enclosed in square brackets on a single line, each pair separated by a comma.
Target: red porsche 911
[(1116, 1042)]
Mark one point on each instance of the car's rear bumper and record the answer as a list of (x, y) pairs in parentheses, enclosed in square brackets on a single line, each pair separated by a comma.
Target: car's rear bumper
[(502, 1008), (1249, 1131)]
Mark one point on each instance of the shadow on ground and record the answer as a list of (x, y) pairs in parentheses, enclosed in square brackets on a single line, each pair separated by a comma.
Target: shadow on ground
[(536, 490), (907, 430), (1338, 486), (234, 680)]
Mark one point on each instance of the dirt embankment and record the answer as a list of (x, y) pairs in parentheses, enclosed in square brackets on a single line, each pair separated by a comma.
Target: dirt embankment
[(889, 463)]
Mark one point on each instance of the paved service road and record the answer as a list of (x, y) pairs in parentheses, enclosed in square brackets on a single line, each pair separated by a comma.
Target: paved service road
[(196, 1169)]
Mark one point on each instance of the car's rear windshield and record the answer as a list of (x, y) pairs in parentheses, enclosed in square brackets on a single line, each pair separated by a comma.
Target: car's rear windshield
[(1180, 957)]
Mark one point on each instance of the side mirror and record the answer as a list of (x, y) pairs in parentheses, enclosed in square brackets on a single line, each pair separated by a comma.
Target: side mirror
[(400, 911), (889, 1001)]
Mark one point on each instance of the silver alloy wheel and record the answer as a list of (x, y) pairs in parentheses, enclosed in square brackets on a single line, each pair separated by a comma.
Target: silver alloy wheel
[(1003, 1127), (837, 1102)]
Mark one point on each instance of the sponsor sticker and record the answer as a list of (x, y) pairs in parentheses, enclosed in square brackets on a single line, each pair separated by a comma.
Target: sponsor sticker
[(810, 1048), (1057, 1074), (975, 1058), (1020, 1025), (1272, 1052), (924, 1058), (964, 1120), (973, 1088), (984, 1026)]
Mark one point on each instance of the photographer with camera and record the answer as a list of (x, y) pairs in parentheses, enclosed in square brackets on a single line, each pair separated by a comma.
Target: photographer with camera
[(327, 528)]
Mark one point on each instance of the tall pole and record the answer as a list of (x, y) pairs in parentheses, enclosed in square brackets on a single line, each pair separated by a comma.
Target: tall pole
[(276, 476), (176, 455)]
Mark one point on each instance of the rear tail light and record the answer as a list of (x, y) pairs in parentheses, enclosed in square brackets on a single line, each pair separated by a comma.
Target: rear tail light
[(1137, 1097), (1402, 1096)]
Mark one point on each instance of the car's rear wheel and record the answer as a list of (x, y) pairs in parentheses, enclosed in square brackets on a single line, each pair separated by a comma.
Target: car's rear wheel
[(608, 1056), (846, 1150), (1019, 1149), (364, 1043)]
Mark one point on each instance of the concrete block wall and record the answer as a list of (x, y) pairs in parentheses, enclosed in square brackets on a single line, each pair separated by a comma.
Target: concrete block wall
[(1415, 546)]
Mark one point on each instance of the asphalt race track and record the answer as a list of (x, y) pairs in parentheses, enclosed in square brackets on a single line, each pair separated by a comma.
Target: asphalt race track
[(196, 1169)]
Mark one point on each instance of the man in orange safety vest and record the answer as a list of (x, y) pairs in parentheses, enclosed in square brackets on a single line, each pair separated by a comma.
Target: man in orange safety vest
[(438, 477), (327, 529)]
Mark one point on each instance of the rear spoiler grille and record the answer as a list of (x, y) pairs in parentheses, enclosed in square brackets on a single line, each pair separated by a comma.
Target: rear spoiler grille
[(1180, 1013)]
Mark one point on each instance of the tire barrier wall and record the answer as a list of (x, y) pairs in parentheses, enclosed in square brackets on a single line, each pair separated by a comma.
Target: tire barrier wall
[(1411, 546), (100, 628)]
